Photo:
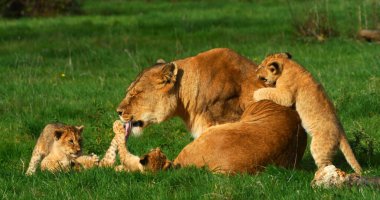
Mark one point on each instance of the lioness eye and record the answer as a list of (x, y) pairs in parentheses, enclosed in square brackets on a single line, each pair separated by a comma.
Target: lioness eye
[(71, 142)]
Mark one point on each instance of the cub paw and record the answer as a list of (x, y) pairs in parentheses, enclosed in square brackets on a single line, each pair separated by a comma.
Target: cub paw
[(89, 161), (106, 162), (94, 159), (29, 173), (120, 168), (329, 176), (259, 95), (118, 127)]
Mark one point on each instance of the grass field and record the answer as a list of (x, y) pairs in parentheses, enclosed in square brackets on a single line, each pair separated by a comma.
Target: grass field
[(75, 69)]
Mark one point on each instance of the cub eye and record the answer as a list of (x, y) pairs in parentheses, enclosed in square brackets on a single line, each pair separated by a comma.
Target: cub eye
[(263, 78), (71, 142)]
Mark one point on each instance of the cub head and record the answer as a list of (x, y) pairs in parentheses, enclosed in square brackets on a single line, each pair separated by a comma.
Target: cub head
[(68, 139), (151, 98), (271, 68), (155, 160)]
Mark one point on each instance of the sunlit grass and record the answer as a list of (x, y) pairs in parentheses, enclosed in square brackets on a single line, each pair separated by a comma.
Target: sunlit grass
[(75, 70)]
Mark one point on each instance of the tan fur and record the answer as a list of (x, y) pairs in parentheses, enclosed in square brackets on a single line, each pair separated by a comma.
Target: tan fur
[(59, 147), (294, 85), (110, 157), (214, 89), (330, 176), (153, 161), (262, 137)]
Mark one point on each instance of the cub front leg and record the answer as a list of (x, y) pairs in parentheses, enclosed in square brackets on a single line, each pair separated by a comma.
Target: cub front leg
[(110, 156), (281, 97), (34, 161), (87, 161)]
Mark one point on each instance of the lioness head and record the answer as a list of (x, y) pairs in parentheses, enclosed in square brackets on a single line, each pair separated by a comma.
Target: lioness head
[(68, 140), (151, 98), (271, 68)]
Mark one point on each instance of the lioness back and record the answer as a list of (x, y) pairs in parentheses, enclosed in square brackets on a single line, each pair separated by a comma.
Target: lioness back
[(289, 83), (266, 134)]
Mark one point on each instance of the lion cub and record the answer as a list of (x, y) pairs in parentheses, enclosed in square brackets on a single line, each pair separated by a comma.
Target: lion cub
[(292, 84), (59, 146), (155, 160)]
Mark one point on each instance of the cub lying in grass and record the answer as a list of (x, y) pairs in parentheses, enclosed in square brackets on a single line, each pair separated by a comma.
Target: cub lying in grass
[(59, 146), (289, 83), (155, 160)]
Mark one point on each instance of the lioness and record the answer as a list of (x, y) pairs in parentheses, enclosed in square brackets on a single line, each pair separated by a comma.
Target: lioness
[(214, 89)]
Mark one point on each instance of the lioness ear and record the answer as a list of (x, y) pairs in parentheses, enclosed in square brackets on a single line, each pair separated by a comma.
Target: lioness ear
[(144, 160), (58, 134), (275, 68), (169, 73)]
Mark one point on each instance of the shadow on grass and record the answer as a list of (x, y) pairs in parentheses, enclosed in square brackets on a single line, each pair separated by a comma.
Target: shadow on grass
[(367, 162)]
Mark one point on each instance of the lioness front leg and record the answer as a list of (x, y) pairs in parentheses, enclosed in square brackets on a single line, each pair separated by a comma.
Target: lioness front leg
[(281, 97)]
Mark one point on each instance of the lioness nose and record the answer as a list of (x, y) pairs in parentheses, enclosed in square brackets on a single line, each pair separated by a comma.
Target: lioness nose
[(119, 112)]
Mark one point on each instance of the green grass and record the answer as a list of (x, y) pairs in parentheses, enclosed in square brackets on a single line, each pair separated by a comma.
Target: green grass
[(75, 69)]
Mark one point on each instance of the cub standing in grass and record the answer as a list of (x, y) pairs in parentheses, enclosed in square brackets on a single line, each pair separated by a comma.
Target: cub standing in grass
[(59, 146), (291, 84)]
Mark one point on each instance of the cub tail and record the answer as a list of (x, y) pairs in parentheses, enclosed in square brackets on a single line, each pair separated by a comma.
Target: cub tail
[(349, 154)]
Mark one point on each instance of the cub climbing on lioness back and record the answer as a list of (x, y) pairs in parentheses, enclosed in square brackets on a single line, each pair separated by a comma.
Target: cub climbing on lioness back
[(291, 84), (59, 147)]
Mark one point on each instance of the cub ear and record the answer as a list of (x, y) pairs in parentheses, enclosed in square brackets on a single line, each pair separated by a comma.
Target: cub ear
[(167, 165), (281, 55), (275, 68), (58, 134), (160, 61), (169, 73), (288, 55), (80, 128), (144, 160)]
